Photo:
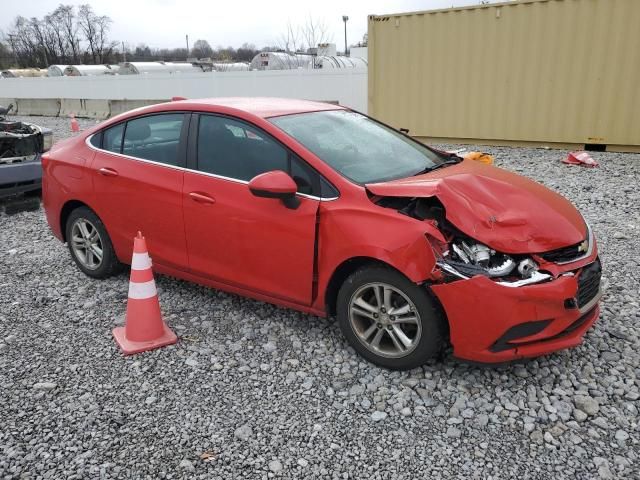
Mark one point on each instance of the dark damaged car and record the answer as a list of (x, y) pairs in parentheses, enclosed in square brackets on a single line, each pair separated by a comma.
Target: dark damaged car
[(21, 145)]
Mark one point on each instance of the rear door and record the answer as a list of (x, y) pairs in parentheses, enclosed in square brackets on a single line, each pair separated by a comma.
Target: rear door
[(138, 173), (235, 237)]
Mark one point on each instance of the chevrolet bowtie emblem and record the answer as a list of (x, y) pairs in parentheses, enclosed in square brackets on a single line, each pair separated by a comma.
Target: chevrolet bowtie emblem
[(583, 247)]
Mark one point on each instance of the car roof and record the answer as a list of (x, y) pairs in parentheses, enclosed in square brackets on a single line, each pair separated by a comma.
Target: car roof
[(265, 107)]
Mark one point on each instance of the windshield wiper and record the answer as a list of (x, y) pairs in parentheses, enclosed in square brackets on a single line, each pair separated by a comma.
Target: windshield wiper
[(452, 160)]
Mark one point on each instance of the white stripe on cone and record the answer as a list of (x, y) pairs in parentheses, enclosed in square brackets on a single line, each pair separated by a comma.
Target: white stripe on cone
[(142, 290), (140, 261)]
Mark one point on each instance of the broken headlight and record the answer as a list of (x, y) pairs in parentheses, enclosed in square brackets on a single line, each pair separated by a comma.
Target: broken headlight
[(470, 258)]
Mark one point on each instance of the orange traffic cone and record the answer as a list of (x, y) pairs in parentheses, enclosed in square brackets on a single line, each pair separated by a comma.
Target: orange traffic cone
[(580, 158), (144, 328), (75, 126)]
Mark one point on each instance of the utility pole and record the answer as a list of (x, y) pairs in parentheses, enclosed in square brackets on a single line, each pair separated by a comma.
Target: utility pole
[(345, 19), (187, 36), (124, 53)]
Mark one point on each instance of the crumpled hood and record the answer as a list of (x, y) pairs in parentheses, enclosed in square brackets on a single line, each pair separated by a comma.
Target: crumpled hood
[(508, 212)]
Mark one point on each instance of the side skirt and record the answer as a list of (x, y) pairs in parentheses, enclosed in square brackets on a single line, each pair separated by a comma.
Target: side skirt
[(172, 272)]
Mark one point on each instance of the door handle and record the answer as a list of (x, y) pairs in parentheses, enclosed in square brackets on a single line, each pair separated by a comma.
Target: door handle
[(108, 172), (201, 198)]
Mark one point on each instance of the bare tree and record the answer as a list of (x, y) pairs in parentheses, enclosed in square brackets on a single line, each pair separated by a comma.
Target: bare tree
[(246, 52), (71, 35), (314, 32), (299, 39), (66, 21), (6, 58), (290, 40), (86, 23), (202, 49), (95, 29), (40, 42), (55, 38), (24, 44), (290, 43), (104, 46)]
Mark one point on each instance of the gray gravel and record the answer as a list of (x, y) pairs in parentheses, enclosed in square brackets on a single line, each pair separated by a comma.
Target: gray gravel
[(255, 391)]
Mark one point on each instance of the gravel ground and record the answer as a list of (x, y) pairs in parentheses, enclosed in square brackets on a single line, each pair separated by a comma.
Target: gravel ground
[(255, 391)]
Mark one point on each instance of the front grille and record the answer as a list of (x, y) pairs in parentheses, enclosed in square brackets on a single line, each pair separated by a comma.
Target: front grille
[(564, 254), (589, 283)]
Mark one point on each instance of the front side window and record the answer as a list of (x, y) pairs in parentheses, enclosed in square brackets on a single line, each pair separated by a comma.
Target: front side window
[(358, 147), (234, 149), (155, 137)]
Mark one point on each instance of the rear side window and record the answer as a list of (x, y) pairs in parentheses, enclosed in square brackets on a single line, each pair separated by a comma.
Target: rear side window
[(112, 138), (96, 139), (155, 138), (234, 149)]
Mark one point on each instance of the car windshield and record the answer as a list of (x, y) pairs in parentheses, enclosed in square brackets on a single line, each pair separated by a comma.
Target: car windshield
[(358, 147)]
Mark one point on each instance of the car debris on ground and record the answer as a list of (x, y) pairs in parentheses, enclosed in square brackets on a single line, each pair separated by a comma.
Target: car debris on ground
[(580, 158)]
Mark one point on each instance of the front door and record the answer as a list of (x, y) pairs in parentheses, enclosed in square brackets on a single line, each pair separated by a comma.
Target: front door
[(234, 237)]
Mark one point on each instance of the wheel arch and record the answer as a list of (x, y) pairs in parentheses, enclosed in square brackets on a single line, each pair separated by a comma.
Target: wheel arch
[(342, 272), (346, 268), (67, 208)]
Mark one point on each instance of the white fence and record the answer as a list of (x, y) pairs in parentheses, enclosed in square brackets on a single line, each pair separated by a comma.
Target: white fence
[(346, 86)]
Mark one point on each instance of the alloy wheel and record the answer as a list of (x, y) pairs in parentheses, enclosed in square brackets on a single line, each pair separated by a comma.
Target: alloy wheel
[(86, 243), (385, 320)]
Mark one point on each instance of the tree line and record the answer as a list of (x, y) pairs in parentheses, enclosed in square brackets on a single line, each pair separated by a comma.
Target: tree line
[(65, 35), (72, 35)]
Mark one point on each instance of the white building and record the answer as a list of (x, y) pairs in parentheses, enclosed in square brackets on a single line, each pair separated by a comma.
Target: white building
[(84, 70), (136, 68), (281, 61)]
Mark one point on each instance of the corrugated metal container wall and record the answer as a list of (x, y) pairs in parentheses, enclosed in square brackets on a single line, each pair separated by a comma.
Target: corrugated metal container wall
[(544, 71)]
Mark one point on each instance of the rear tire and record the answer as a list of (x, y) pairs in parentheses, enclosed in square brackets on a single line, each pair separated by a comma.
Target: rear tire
[(90, 245), (389, 320)]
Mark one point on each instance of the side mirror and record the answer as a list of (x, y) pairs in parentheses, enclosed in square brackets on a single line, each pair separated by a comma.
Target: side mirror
[(275, 184)]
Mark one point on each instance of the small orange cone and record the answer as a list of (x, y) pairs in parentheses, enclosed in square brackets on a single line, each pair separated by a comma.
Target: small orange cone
[(580, 158), (75, 126), (144, 328)]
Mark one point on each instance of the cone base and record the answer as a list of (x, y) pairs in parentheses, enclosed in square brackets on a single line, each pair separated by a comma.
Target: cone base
[(129, 348)]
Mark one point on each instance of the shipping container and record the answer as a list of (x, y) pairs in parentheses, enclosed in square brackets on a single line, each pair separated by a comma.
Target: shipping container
[(547, 72)]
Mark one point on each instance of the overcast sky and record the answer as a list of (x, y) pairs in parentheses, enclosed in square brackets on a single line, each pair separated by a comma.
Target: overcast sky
[(164, 23)]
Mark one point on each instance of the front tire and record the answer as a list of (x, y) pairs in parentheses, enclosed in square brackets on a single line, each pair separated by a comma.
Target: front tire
[(389, 320), (90, 245)]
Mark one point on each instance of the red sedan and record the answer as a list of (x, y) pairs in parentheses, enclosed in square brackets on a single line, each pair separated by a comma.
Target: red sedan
[(322, 209)]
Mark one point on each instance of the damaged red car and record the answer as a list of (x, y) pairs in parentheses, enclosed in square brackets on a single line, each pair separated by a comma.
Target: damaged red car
[(322, 209)]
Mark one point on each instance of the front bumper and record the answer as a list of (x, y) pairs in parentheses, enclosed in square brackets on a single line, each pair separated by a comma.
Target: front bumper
[(491, 323), (20, 177)]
